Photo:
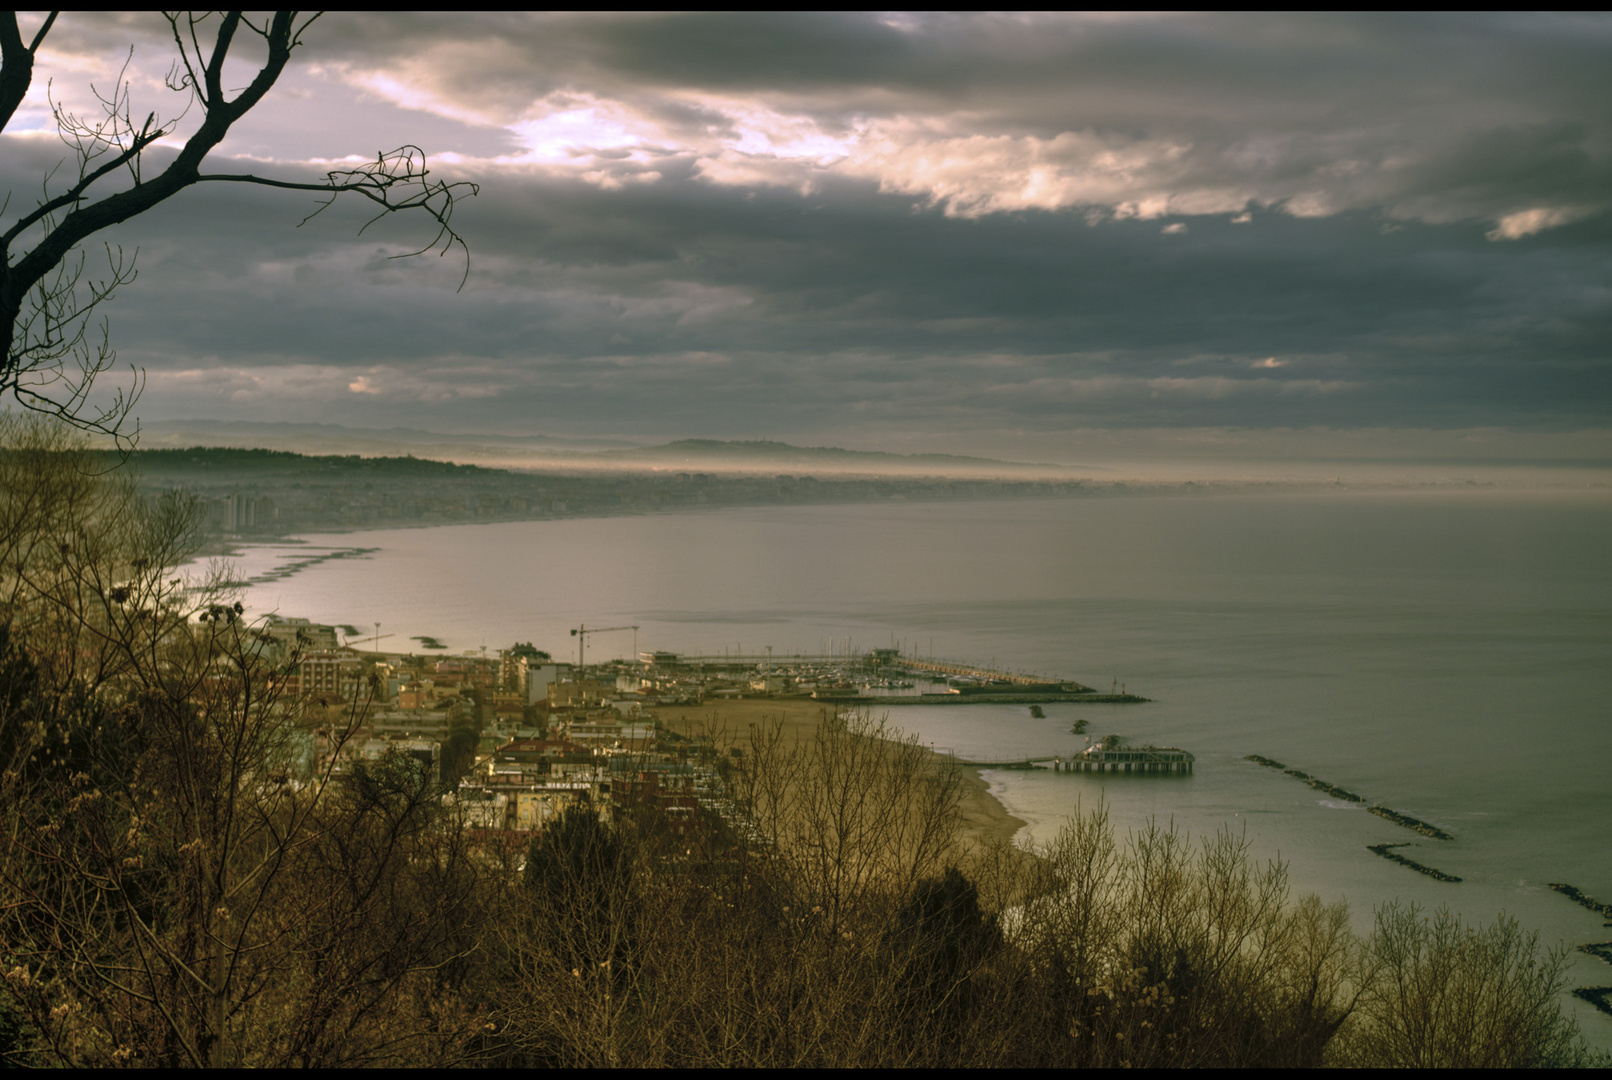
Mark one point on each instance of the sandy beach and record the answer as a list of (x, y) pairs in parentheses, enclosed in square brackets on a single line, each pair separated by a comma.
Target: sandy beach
[(985, 821)]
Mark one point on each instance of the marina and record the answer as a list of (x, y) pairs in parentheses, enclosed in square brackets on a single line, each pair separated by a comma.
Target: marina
[(876, 677)]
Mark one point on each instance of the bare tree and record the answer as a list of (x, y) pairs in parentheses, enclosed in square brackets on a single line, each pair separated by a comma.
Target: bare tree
[(184, 878), (1159, 954), (859, 810), (54, 346), (1449, 995)]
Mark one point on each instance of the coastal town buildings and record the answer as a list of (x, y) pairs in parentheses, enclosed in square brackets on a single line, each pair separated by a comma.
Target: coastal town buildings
[(513, 739)]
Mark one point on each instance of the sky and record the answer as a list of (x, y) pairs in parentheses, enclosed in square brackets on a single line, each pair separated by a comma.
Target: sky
[(1040, 237)]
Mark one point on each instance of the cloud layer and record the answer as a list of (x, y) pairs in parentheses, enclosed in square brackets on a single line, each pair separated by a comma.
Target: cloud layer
[(799, 226)]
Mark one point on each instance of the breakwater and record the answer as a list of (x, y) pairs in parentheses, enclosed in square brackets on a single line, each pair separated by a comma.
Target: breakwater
[(1006, 698), (1415, 825), (1314, 781), (1018, 763), (1603, 910), (1387, 851), (296, 565), (1600, 997)]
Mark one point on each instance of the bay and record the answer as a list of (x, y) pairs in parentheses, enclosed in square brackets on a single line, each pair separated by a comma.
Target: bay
[(1445, 654)]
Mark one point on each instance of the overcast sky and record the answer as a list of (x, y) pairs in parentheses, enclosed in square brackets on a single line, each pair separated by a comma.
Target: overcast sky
[(970, 233)]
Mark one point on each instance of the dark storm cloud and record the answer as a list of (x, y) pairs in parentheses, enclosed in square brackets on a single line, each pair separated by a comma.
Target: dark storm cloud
[(673, 306), (783, 225)]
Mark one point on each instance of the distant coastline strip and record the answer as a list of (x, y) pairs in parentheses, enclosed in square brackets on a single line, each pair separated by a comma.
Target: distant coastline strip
[(1415, 825)]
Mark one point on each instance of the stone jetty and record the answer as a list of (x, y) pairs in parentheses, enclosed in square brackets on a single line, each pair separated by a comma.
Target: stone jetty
[(1603, 910), (1415, 825), (1387, 851), (1599, 997)]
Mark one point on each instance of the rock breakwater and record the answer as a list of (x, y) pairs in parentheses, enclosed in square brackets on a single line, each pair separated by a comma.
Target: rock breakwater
[(1600, 949), (1410, 823), (1387, 851), (1573, 894), (1600, 997), (1414, 824)]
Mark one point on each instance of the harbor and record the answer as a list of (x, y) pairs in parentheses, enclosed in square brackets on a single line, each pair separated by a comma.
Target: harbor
[(1213, 691), (876, 677)]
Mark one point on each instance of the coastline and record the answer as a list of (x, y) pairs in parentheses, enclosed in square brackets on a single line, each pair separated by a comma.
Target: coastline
[(227, 544), (986, 823)]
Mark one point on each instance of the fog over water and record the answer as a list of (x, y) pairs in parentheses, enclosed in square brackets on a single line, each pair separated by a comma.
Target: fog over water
[(1448, 655)]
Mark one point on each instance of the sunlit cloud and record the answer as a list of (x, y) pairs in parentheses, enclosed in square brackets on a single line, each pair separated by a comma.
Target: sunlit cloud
[(1528, 222), (579, 129)]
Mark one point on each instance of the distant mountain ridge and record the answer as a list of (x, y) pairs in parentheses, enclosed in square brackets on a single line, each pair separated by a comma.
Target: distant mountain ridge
[(551, 451), (780, 452), (259, 435)]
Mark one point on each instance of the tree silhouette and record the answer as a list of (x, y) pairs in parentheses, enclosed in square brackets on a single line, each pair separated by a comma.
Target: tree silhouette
[(54, 346)]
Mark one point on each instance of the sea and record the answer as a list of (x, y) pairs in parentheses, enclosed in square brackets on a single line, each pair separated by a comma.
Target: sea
[(1447, 654)]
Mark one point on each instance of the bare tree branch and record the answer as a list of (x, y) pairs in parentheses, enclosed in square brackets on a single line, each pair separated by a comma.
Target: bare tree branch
[(16, 63), (51, 362)]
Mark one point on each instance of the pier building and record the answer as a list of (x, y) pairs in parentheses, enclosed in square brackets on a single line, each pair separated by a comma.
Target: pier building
[(1143, 760)]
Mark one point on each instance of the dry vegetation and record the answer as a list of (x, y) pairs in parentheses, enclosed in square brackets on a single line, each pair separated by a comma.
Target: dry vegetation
[(177, 888)]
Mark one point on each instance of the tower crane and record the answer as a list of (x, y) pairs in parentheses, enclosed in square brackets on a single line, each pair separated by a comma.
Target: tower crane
[(581, 634)]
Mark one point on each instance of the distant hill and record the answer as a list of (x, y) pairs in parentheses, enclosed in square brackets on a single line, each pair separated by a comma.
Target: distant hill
[(339, 439), (718, 453), (527, 452), (228, 464), (256, 494)]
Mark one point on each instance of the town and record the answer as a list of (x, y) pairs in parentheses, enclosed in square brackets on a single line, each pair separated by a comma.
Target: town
[(517, 737)]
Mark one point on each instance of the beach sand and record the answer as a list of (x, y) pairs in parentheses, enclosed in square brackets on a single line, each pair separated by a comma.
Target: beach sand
[(986, 821)]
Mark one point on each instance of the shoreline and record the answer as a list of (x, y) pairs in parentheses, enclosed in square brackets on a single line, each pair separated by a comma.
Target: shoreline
[(986, 823), (223, 545)]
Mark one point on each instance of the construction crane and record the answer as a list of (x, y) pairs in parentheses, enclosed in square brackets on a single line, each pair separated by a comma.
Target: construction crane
[(581, 634), (373, 639)]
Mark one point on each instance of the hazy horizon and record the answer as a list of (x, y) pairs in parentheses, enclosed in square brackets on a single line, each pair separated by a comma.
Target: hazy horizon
[(1581, 460)]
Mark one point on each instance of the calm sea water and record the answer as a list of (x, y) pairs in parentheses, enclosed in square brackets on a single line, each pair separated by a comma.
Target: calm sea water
[(1449, 656)]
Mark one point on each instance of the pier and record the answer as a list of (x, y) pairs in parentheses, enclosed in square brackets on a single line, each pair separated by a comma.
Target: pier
[(1128, 761), (872, 660), (946, 669), (1026, 696), (1016, 763), (865, 678)]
